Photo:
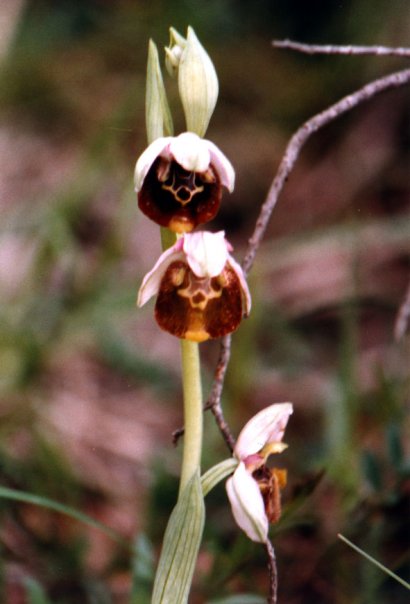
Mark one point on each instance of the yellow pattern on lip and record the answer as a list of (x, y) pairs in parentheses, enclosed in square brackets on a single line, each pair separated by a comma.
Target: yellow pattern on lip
[(182, 186), (200, 291)]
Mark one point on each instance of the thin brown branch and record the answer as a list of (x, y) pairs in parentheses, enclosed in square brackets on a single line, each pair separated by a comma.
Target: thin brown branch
[(214, 400), (403, 316), (298, 140), (286, 165), (292, 152), (273, 574), (332, 49)]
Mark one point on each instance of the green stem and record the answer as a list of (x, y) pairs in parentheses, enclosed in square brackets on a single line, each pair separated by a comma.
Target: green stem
[(192, 391)]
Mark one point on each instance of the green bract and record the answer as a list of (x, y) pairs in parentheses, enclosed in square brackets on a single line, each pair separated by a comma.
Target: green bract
[(157, 113), (197, 84), (180, 548)]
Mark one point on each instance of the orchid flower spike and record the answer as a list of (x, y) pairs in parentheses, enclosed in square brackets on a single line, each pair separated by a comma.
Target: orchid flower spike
[(201, 290), (254, 489), (179, 181)]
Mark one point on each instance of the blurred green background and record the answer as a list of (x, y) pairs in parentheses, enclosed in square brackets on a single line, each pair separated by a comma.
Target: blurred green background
[(90, 387)]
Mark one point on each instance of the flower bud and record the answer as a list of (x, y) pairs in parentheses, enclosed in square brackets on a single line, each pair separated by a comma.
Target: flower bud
[(173, 52), (197, 82)]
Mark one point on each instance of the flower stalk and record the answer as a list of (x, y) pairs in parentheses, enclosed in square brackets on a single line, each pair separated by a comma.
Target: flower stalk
[(193, 421)]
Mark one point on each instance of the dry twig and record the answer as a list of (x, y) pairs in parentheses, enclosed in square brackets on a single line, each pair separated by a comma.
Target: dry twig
[(332, 49), (286, 165), (292, 152), (214, 400), (273, 574)]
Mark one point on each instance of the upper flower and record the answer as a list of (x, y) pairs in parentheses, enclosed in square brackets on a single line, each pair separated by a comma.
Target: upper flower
[(201, 290), (179, 180), (254, 489)]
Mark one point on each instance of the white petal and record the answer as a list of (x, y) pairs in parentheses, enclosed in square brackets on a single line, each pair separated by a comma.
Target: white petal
[(152, 280), (247, 504), (267, 426), (246, 296), (147, 158), (206, 253), (223, 166), (191, 152)]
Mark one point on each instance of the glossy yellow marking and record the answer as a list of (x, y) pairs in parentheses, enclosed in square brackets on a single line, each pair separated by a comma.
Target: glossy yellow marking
[(272, 448)]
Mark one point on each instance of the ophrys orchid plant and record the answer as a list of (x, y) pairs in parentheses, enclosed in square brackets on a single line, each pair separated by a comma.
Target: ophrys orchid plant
[(201, 293)]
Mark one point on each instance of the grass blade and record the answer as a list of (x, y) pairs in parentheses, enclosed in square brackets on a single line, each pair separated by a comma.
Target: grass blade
[(375, 562)]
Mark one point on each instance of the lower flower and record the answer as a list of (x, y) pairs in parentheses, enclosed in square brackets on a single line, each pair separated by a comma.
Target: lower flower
[(201, 290), (254, 489)]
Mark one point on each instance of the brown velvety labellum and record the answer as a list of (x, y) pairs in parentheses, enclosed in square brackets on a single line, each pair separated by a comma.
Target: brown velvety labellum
[(198, 309), (177, 199), (271, 482)]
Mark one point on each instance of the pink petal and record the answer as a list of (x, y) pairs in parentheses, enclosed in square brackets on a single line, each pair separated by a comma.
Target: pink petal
[(191, 152), (206, 253), (152, 280), (246, 296), (247, 504), (223, 166), (265, 427), (147, 158)]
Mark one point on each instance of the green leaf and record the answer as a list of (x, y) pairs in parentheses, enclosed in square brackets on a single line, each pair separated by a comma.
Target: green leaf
[(44, 502), (34, 591), (181, 544), (157, 112), (217, 473)]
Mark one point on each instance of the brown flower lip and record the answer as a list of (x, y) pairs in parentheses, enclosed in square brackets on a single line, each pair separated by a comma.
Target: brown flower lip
[(195, 308), (179, 181), (271, 481), (178, 199), (200, 289)]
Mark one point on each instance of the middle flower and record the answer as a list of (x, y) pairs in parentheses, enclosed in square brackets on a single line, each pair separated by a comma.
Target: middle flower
[(179, 181), (201, 290)]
